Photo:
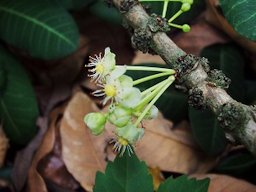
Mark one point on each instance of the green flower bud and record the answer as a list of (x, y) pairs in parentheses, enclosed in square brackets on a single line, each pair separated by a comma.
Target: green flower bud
[(95, 122), (188, 1), (152, 113), (130, 132), (120, 116), (126, 81), (130, 97), (185, 28), (185, 7)]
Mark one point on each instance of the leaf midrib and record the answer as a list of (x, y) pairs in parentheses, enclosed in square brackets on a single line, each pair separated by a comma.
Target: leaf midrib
[(37, 22)]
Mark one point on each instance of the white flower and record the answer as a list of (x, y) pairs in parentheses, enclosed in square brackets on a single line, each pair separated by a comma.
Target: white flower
[(102, 66), (120, 90), (127, 136)]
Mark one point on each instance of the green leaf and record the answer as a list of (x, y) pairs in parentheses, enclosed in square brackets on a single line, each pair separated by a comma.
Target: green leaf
[(184, 184), (237, 163), (229, 59), (74, 4), (18, 105), (172, 103), (109, 14), (207, 132), (241, 15), (125, 174), (42, 28), (173, 7)]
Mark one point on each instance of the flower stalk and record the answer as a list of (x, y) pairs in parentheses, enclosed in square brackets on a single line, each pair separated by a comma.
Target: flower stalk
[(185, 6)]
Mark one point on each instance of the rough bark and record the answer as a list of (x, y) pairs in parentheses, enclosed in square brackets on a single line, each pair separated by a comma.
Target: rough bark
[(206, 87)]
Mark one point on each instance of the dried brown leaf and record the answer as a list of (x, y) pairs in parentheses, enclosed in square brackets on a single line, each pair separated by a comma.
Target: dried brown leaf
[(157, 176), (4, 144), (171, 149), (224, 183), (53, 169), (35, 180), (82, 152)]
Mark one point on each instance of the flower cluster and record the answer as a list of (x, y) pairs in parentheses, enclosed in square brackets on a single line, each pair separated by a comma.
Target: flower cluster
[(128, 105)]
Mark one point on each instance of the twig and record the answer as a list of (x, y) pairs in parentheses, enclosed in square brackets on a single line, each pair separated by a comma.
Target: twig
[(206, 87)]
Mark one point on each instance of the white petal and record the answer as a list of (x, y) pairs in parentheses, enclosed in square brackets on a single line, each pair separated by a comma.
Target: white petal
[(118, 71), (109, 60)]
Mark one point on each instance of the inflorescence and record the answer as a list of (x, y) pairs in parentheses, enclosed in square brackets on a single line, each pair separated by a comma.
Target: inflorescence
[(185, 6), (128, 105)]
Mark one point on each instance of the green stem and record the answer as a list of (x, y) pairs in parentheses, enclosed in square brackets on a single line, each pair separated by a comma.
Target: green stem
[(145, 68), (145, 92), (151, 95), (175, 16), (161, 91), (165, 8), (175, 25), (144, 79)]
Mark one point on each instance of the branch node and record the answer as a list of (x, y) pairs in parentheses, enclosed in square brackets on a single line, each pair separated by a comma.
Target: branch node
[(141, 39), (158, 24), (232, 116), (196, 98), (218, 79), (205, 64), (126, 5), (184, 65)]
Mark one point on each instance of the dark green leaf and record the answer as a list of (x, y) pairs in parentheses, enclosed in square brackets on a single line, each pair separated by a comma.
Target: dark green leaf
[(173, 103), (173, 7), (42, 28), (74, 4), (241, 15), (236, 164), (207, 132), (18, 105), (250, 92), (125, 174), (103, 11), (184, 184), (229, 59)]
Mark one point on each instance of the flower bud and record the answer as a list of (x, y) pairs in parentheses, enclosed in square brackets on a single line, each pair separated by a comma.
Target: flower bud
[(185, 7), (130, 132), (188, 1), (130, 97), (120, 116), (95, 122), (152, 113), (185, 28)]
